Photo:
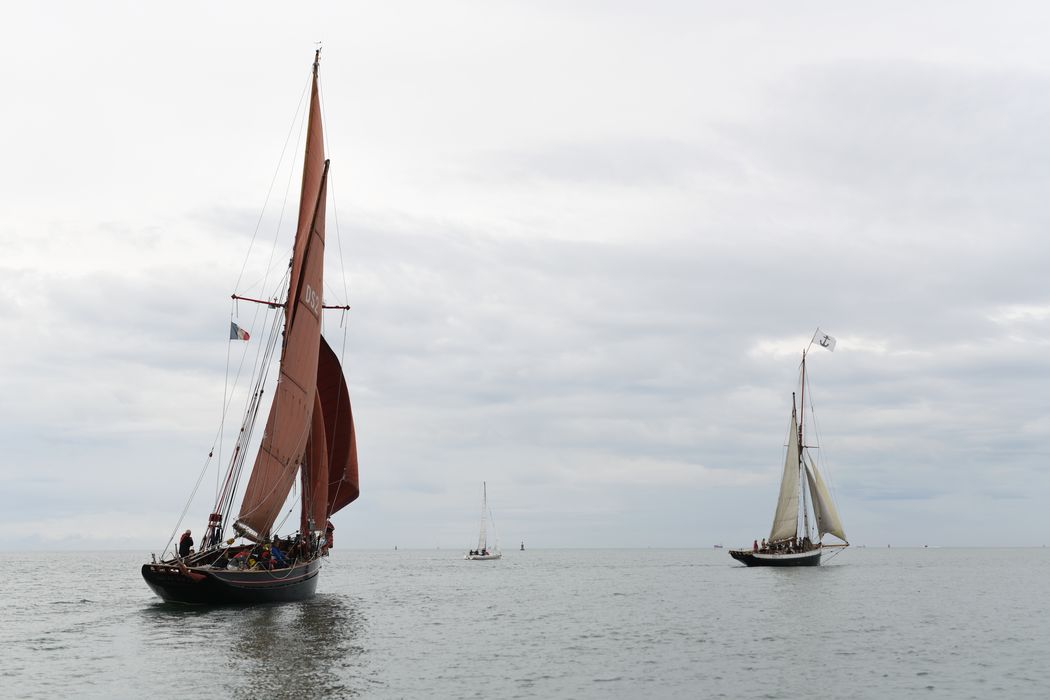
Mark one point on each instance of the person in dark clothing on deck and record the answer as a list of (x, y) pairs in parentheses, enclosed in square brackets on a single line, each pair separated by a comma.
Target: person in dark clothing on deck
[(279, 560), (185, 544)]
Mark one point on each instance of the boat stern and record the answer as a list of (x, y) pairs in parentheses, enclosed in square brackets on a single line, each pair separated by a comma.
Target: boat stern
[(176, 584)]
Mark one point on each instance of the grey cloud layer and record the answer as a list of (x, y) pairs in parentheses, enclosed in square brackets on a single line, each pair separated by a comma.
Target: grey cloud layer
[(599, 315)]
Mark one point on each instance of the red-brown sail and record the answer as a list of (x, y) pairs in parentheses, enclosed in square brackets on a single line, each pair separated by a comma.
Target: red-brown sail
[(314, 474), (288, 425), (342, 486), (314, 165)]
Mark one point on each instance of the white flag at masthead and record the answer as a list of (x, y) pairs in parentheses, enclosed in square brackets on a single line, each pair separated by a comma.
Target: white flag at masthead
[(824, 340)]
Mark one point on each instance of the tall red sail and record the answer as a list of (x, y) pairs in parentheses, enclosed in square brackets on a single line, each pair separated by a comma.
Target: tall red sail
[(340, 438), (288, 426)]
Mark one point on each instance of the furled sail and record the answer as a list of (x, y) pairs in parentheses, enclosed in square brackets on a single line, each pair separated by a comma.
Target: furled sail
[(289, 424), (339, 436), (785, 521), (823, 507)]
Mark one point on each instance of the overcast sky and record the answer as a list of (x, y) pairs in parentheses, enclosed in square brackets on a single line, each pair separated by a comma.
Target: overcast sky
[(585, 244)]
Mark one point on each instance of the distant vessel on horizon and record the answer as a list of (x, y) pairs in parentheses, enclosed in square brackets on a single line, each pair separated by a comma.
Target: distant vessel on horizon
[(787, 545), (482, 553)]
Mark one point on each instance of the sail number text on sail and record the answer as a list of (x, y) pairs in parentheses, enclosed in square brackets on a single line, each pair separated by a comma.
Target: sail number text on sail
[(311, 299)]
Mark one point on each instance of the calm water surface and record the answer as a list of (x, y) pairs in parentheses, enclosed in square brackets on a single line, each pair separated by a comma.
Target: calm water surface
[(874, 623)]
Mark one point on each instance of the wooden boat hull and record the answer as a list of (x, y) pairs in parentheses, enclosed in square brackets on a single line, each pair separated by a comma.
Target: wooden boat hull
[(752, 558), (202, 585), (482, 557)]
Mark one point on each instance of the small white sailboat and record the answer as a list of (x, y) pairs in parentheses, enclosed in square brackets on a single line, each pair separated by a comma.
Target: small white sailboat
[(483, 553), (791, 542)]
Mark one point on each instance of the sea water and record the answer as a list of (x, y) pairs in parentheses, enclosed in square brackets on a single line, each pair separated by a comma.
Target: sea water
[(871, 623)]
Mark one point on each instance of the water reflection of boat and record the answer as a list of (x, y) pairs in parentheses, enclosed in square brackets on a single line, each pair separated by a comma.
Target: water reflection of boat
[(294, 651), (306, 649)]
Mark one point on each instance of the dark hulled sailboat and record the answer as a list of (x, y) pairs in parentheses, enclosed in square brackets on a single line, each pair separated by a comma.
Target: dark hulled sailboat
[(788, 544), (309, 432)]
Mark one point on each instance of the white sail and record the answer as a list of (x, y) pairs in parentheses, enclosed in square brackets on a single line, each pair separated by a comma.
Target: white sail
[(483, 536), (785, 522), (823, 507)]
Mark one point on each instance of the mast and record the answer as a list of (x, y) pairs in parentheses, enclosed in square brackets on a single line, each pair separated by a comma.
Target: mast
[(802, 417), (801, 447), (285, 441), (482, 535)]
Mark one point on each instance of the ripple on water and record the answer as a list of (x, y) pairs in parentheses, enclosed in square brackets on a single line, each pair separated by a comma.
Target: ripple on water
[(662, 623)]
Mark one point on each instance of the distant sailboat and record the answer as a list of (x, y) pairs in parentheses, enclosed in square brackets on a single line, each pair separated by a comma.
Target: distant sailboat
[(787, 544), (483, 553), (309, 433), (523, 545)]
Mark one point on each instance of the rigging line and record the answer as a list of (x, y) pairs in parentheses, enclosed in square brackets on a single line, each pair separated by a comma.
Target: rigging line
[(178, 524), (263, 373), (222, 415), (264, 351), (335, 209), (495, 534), (273, 181), (273, 248), (280, 222), (339, 243), (227, 402), (828, 476), (251, 413), (273, 489), (270, 262), (279, 526), (216, 441), (834, 554)]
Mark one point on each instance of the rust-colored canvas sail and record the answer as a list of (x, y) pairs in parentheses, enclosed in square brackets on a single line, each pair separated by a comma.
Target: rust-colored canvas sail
[(340, 438), (314, 474), (313, 170), (288, 425)]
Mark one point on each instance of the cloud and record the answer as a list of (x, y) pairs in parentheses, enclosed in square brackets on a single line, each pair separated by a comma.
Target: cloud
[(583, 276)]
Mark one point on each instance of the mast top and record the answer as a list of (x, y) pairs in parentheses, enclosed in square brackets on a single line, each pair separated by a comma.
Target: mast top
[(317, 58)]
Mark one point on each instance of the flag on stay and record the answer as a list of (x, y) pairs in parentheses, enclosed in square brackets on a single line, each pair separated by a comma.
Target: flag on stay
[(238, 333), (824, 340)]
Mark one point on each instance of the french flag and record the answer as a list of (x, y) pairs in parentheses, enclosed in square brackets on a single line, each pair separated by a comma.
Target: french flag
[(238, 333)]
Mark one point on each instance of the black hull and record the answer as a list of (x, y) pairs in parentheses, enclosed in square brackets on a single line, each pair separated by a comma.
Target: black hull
[(206, 586), (752, 558)]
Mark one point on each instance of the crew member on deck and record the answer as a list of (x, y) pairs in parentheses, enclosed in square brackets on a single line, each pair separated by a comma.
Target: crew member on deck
[(278, 556), (329, 537), (754, 547), (185, 544)]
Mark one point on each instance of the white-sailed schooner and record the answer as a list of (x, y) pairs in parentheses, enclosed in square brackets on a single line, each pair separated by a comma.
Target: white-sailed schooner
[(483, 552), (802, 490)]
